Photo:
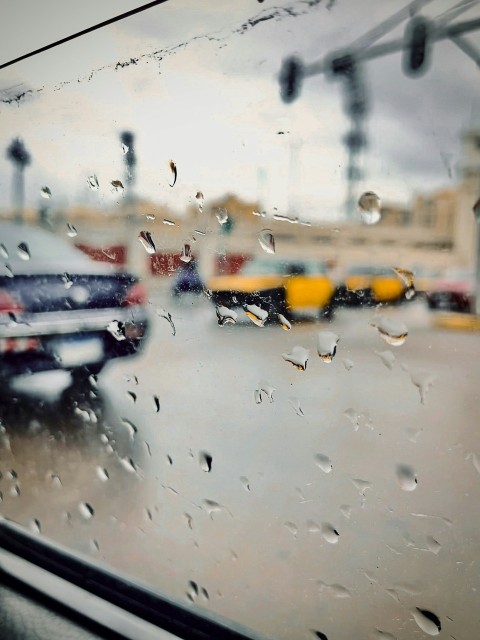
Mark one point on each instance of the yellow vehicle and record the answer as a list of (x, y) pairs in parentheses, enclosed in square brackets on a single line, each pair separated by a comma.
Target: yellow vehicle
[(368, 284), (279, 286)]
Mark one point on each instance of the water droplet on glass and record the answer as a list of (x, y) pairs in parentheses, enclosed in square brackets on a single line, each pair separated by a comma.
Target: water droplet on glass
[(71, 231), (186, 253), (169, 460), (150, 217), (358, 418), (102, 474), (162, 313), (327, 345), (329, 532), (189, 520), (433, 545), (117, 330), (132, 396), (23, 251), (156, 404), (169, 223), (406, 477), (192, 591), (14, 491), (335, 590), (386, 357), (475, 460), (393, 331), (346, 510), (292, 527), (221, 215), (245, 483), (267, 241), (35, 526), (56, 481), (45, 193), (318, 634), (125, 149), (283, 218), (413, 433), (94, 546), (200, 200), (92, 182), (173, 169), (362, 485), (117, 186), (423, 380), (86, 510), (8, 271), (148, 514), (295, 402), (298, 356), (266, 388), (285, 323), (384, 635), (132, 429), (128, 464), (347, 363), (145, 238), (312, 527), (214, 507), (428, 621), (257, 315), (3, 251), (369, 205), (407, 277), (323, 462), (205, 461), (225, 316)]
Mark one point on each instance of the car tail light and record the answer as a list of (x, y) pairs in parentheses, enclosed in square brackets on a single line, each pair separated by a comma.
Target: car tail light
[(136, 294), (8, 304)]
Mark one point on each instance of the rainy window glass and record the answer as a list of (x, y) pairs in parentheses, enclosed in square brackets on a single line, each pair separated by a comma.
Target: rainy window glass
[(239, 305)]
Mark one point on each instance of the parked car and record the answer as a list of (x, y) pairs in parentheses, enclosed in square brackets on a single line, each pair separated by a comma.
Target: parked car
[(187, 279), (288, 287), (61, 310), (453, 292), (367, 284)]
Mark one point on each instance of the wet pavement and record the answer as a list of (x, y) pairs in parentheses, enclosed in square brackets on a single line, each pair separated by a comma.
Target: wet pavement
[(345, 505)]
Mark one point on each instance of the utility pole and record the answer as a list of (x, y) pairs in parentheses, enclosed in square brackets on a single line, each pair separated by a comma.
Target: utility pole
[(476, 211), (347, 64), (20, 158)]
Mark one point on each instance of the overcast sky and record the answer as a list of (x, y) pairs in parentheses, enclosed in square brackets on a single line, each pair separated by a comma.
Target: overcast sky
[(204, 93)]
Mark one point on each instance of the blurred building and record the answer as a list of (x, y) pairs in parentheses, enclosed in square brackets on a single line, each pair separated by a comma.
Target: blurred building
[(434, 231)]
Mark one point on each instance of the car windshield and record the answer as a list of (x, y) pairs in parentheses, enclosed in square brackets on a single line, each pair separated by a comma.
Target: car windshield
[(298, 455)]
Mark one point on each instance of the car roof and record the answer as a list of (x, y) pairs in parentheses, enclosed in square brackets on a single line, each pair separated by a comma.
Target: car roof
[(49, 253)]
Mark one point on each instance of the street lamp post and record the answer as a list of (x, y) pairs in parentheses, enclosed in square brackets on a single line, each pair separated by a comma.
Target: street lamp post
[(476, 211), (20, 158)]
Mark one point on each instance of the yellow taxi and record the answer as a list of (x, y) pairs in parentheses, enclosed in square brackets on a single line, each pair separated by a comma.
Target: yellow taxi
[(368, 284), (289, 287)]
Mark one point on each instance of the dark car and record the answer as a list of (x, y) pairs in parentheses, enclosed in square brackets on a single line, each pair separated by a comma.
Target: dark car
[(188, 279), (61, 310), (453, 292)]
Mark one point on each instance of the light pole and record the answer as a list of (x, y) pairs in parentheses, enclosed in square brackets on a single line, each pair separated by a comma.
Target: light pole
[(476, 211), (20, 158)]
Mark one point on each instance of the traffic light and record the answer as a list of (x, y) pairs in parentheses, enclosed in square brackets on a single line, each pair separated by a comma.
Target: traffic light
[(416, 52), (291, 77)]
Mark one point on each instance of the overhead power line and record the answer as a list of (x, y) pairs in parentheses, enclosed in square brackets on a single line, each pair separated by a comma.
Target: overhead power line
[(100, 25)]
